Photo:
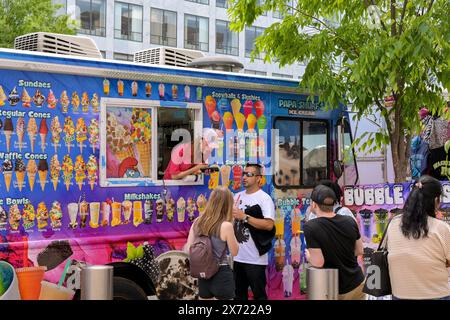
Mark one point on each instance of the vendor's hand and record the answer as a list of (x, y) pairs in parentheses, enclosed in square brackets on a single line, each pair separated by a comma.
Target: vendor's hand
[(201, 166), (238, 214)]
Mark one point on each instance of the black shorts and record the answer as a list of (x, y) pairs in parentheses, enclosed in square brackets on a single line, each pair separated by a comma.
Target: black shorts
[(220, 286)]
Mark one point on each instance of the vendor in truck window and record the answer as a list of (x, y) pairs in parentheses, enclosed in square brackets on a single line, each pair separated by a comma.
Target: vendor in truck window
[(188, 159)]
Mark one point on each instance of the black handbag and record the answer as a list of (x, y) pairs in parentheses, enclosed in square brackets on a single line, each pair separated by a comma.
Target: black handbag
[(378, 281)]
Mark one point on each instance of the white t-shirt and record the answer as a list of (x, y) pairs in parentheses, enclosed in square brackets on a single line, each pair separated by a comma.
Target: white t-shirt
[(248, 253)]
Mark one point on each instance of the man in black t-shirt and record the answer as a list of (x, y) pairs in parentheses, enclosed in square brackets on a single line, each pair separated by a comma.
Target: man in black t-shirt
[(334, 242)]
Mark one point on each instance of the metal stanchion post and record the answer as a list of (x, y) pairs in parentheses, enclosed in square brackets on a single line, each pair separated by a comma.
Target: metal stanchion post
[(323, 284), (97, 283)]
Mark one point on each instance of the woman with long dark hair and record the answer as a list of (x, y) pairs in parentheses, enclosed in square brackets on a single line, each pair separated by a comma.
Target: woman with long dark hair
[(419, 246)]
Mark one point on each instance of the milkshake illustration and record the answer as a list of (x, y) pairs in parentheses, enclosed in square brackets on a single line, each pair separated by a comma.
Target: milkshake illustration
[(106, 211), (161, 89), (137, 213), (126, 207), (106, 87), (170, 209), (174, 91), (187, 92), (225, 175), (94, 210), (120, 87), (181, 209), (279, 223), (73, 214), (288, 280), (148, 211), (84, 207), (134, 88), (159, 210), (116, 208), (214, 178), (201, 203), (366, 216), (296, 247), (381, 219), (148, 89), (199, 93), (280, 251)]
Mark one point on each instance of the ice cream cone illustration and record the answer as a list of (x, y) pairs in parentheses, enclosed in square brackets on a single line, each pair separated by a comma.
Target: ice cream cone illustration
[(67, 168), (235, 106), (43, 131), (92, 169), (248, 108), (106, 87), (51, 100), (161, 89), (210, 105), (13, 97), (134, 88), (259, 108), (120, 87), (31, 173), (7, 173), (251, 122), (95, 103), (42, 171), (19, 169), (14, 217), (20, 131), (28, 216), (93, 133), (228, 120), (240, 121), (141, 124), (26, 99), (81, 131), (55, 215), (75, 102), (3, 97), (80, 171), (38, 98), (32, 131), (69, 131), (42, 215), (55, 129), (64, 102), (55, 171), (85, 102), (118, 138), (8, 130)]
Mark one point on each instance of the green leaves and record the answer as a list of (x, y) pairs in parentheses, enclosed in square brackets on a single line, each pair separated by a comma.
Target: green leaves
[(134, 252)]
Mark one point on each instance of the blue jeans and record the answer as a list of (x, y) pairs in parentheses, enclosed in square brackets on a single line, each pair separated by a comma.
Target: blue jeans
[(444, 298)]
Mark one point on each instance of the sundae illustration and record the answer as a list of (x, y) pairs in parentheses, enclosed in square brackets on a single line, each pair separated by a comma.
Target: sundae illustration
[(3, 218), (55, 215), (51, 100), (38, 98), (42, 215), (28, 216), (13, 97), (26, 99), (14, 217)]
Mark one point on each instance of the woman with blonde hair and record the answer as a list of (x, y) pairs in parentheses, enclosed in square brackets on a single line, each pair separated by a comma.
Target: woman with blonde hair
[(216, 223)]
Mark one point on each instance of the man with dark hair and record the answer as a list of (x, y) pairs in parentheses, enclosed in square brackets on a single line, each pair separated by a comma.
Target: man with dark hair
[(252, 259), (334, 241)]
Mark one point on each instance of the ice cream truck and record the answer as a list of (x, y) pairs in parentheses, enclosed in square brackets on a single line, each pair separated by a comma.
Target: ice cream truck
[(84, 147)]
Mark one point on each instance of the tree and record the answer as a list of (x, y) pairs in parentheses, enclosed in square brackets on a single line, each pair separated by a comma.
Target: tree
[(358, 52), (18, 17)]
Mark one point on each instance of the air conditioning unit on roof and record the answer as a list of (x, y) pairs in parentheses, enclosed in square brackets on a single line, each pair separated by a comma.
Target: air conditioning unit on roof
[(58, 43), (167, 56)]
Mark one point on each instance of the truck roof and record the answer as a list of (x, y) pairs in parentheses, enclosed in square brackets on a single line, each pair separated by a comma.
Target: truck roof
[(54, 63)]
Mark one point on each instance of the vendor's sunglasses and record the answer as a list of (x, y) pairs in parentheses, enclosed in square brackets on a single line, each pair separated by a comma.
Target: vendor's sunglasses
[(251, 174)]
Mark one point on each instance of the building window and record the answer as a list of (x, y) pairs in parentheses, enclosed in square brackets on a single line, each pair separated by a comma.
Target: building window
[(260, 4), (103, 54), (250, 36), (128, 22), (123, 56), (280, 75), (196, 33), (163, 28), (227, 42), (277, 14), (222, 4), (92, 17), (199, 1), (255, 72)]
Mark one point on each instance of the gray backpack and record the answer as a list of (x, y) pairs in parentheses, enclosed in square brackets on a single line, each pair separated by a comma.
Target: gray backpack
[(203, 264)]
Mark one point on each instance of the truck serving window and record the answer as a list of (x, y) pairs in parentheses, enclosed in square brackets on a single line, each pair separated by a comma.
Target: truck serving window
[(301, 155), (137, 139)]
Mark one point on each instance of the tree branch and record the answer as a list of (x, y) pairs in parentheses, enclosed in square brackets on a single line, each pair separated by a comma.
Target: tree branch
[(403, 16), (430, 6), (393, 16), (366, 2)]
